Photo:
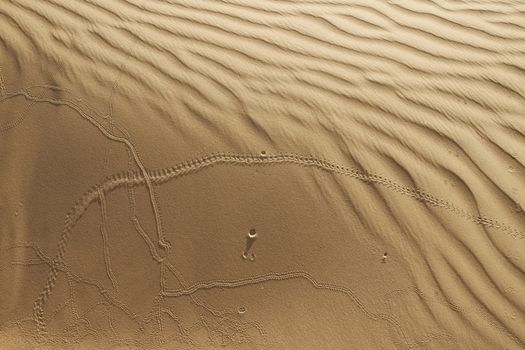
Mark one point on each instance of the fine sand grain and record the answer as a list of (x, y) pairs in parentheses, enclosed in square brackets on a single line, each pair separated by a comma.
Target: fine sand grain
[(262, 174)]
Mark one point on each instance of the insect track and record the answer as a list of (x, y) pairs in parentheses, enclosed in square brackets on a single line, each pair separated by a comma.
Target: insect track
[(281, 276), (160, 176)]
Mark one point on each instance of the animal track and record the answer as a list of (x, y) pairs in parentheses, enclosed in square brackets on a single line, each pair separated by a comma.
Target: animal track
[(160, 176)]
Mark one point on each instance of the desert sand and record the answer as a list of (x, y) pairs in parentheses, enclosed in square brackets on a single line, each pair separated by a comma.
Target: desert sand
[(262, 174)]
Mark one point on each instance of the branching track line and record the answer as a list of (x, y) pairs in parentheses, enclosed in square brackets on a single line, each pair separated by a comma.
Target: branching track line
[(281, 276), (37, 308), (136, 178), (149, 178)]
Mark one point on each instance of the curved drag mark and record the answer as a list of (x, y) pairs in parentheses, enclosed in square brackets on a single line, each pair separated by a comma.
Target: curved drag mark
[(419, 74), (162, 242), (19, 119), (3, 88), (105, 238), (53, 273), (281, 276), (134, 178)]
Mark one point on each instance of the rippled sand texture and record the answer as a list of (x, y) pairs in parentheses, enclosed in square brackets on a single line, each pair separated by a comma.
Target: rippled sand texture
[(262, 174)]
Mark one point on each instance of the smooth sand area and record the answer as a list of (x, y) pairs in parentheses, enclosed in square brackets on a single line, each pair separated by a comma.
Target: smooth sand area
[(262, 174)]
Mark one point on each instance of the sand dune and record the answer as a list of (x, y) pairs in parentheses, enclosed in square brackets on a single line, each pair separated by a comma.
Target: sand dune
[(249, 174)]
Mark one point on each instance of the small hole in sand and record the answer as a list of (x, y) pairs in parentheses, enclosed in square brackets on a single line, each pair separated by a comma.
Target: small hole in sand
[(263, 153), (252, 257), (241, 310), (252, 233)]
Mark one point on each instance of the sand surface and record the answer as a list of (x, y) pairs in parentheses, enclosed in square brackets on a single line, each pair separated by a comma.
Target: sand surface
[(262, 174)]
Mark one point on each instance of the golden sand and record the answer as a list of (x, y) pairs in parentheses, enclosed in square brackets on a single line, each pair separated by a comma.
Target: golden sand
[(262, 174)]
